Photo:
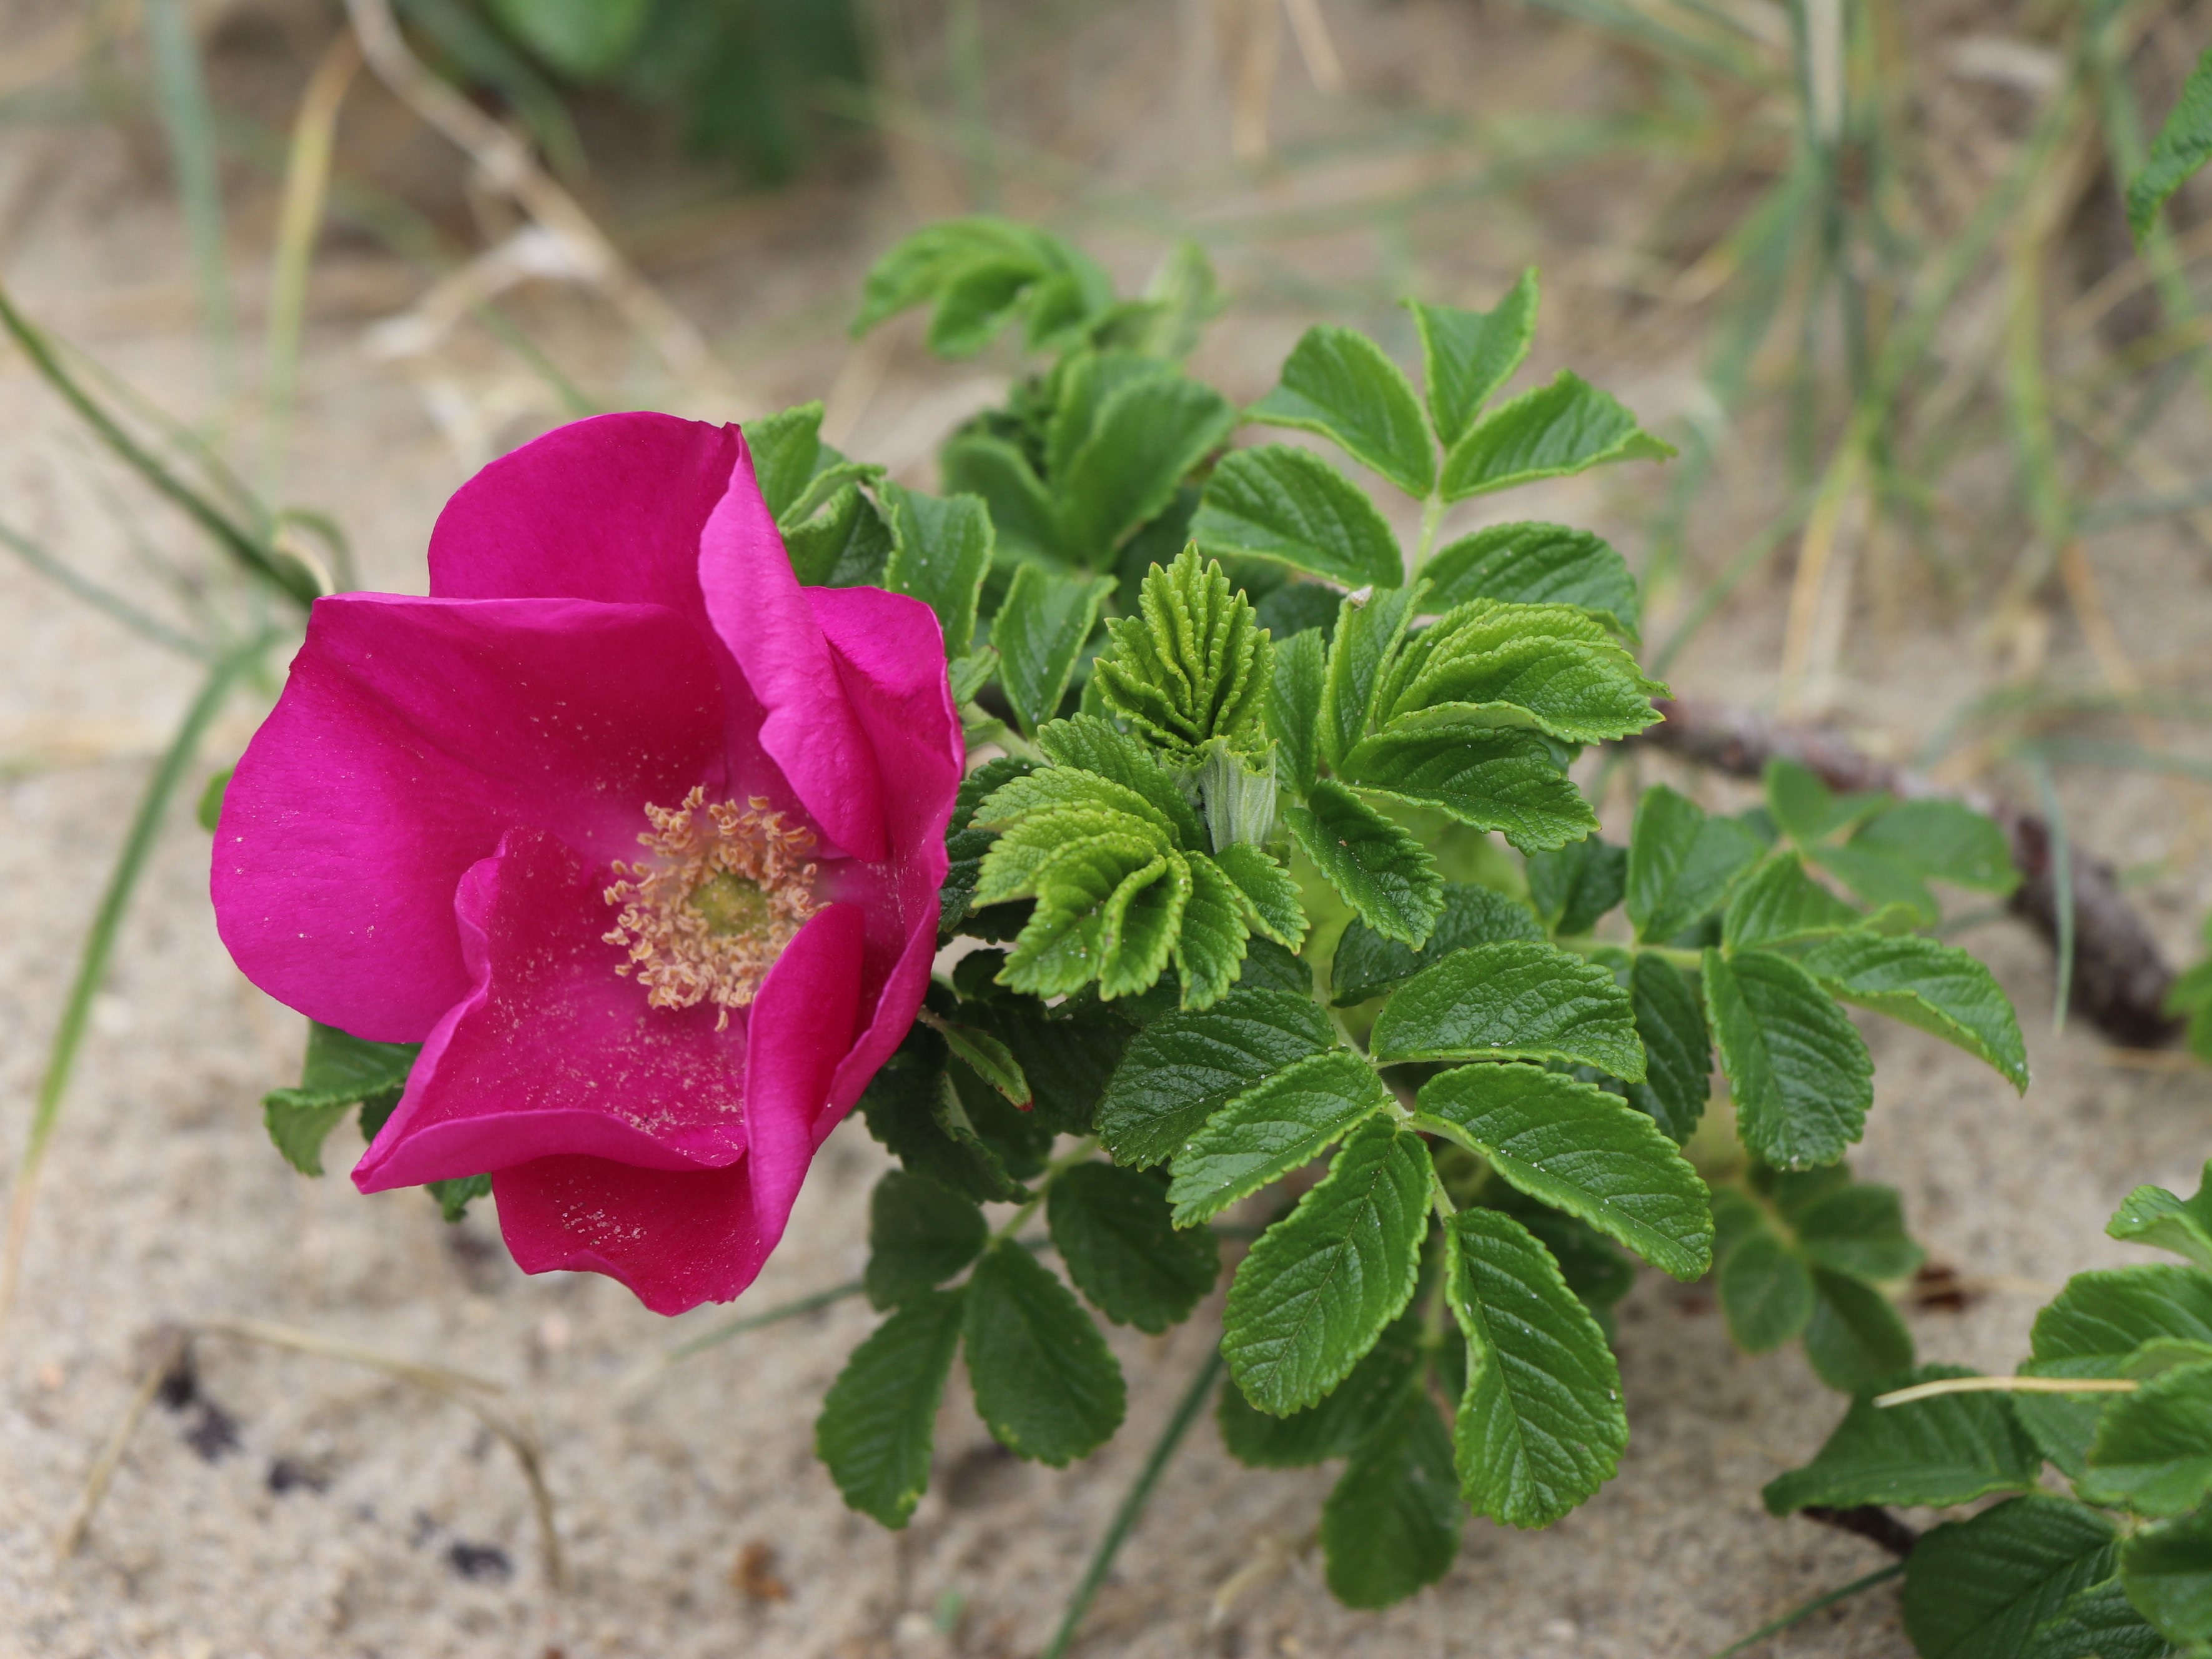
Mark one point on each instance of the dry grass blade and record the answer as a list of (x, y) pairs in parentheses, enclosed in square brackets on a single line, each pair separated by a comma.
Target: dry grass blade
[(1943, 1385)]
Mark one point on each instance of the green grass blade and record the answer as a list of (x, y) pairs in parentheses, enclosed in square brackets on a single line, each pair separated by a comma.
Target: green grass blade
[(181, 92), (146, 626), (1881, 1577)]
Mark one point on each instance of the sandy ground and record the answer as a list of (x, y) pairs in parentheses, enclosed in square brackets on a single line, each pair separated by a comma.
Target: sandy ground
[(304, 1507)]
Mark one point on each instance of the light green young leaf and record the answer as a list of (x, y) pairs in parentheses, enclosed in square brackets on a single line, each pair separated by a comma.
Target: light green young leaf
[(1294, 705), (2167, 1570), (2182, 145), (1536, 564), (1942, 841), (1937, 987), (1111, 1228), (1777, 903), (1108, 904), (1391, 1524), (920, 1234), (1211, 943), (1369, 633), (1506, 780), (2153, 1215), (1366, 964), (1583, 691), (1039, 632), (1466, 356), (2154, 1447), (1800, 1073), (983, 272), (879, 1418), (1322, 1283), (1024, 522), (1855, 1341), (1339, 383), (1088, 743), (1571, 888), (1181, 1070), (1381, 871), (1193, 665), (1951, 1449), (1567, 426), (1148, 435), (940, 553), (1289, 505), (1682, 863), (1540, 1428), (1977, 1588), (783, 448), (1512, 1001), (1047, 1386), (1266, 892), (1582, 1150), (1678, 1053), (1280, 1124), (1765, 1292), (1140, 924)]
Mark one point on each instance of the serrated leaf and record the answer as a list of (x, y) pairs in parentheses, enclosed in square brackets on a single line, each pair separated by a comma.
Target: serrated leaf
[(1023, 520), (1765, 1292), (1148, 434), (1290, 505), (1487, 663), (1339, 383), (1857, 1229), (1083, 382), (1682, 863), (1877, 879), (902, 1106), (1086, 891), (1211, 943), (1777, 903), (1047, 1386), (1322, 1283), (1976, 1588), (1266, 891), (2167, 1571), (1112, 1229), (986, 1057), (1039, 633), (1072, 789), (2182, 145), (1466, 356), (782, 447), (1502, 780), (1512, 1001), (2093, 1328), (1294, 705), (1951, 1449), (1567, 426), (1937, 987), (920, 1234), (1572, 886), (1366, 964), (1181, 1070), (1806, 810), (1351, 1411), (1090, 745), (1582, 1150), (1067, 1055), (878, 1421), (983, 272), (339, 1072), (1391, 1524), (299, 1128), (1800, 1073), (1678, 1053), (2153, 1215), (1269, 967), (1368, 634), (1540, 1426), (1942, 841), (940, 553), (2097, 1623), (1140, 924), (1193, 665), (1855, 1339), (1280, 1124), (2154, 1447), (1537, 563), (1379, 868)]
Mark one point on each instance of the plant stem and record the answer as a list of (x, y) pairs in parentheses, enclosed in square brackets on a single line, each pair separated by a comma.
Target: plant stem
[(1680, 956), (1432, 512), (1882, 1576), (1082, 1152), (1124, 1518)]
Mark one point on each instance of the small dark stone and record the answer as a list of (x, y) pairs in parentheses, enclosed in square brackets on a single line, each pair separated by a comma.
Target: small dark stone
[(214, 1433), (180, 1383), (289, 1474), (480, 1561)]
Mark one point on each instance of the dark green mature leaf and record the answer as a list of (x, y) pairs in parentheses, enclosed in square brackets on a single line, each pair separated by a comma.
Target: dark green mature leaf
[(1855, 1341), (1777, 903), (2151, 1215), (1294, 705), (2092, 1328), (908, 1106), (1381, 871), (1681, 863), (1066, 1055), (1765, 1291), (1504, 779), (1269, 967), (1192, 665), (1857, 1229), (1678, 1053), (844, 543), (1540, 1428), (1942, 841), (1111, 1228), (783, 448), (1366, 964), (1569, 426), (1537, 563), (1949, 1450), (879, 1418), (1937, 987), (2154, 1447), (1025, 522), (1039, 632), (1512, 1001), (1083, 385), (1582, 1150), (1148, 434), (1339, 383), (1351, 1411), (1574, 885), (2167, 1570), (1976, 1588), (1391, 1523), (1800, 1073), (990, 1059), (1181, 1070), (1277, 1126), (920, 1234), (2182, 145), (2097, 1623), (1880, 881), (1047, 1386), (1289, 505), (339, 1072), (940, 553), (1466, 355), (1322, 1283)]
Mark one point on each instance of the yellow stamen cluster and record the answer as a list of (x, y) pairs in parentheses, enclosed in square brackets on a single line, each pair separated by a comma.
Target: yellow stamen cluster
[(705, 918)]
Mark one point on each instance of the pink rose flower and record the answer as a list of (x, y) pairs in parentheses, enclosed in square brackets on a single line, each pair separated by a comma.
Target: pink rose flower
[(640, 839)]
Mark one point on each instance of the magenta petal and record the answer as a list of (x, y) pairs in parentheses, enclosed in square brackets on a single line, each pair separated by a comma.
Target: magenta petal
[(411, 735), (801, 1029), (675, 1238), (761, 613), (891, 653)]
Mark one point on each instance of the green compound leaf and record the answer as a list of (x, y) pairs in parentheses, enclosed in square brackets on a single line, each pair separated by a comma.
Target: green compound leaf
[(1277, 1126), (1355, 1408), (1193, 665), (1466, 356), (1857, 1228), (1111, 1228), (1512, 1001), (1855, 1339), (1290, 505), (1942, 841), (1090, 745), (1777, 903), (1109, 903), (1682, 863), (2097, 1623), (1294, 705), (1571, 887), (1148, 435), (1766, 1291), (1486, 663), (1800, 1073), (1339, 383), (1210, 946), (1977, 1588), (1181, 1070), (340, 1072), (1091, 799), (920, 1234), (1538, 563), (1567, 426), (1540, 1428), (1025, 523), (2154, 1447), (1937, 987), (1582, 1150), (2151, 1215), (1266, 891), (1322, 1283), (2182, 145), (1368, 634), (1391, 1524), (1949, 1450), (1039, 632), (940, 553), (1366, 964), (2093, 1328), (879, 1418), (1487, 779), (1678, 1053), (2167, 1571), (1379, 868), (1047, 1386)]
